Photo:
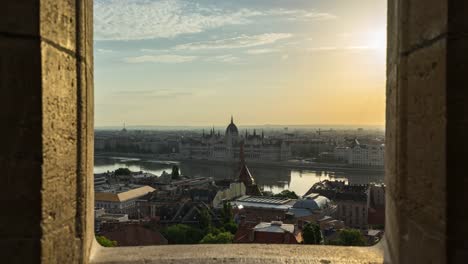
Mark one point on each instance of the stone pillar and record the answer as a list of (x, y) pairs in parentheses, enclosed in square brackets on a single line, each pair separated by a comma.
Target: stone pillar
[(46, 82), (427, 74)]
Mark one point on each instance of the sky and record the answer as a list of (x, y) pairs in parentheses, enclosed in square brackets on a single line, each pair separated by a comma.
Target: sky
[(196, 63)]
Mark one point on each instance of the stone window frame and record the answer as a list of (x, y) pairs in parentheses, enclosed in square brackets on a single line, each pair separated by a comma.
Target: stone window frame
[(46, 81)]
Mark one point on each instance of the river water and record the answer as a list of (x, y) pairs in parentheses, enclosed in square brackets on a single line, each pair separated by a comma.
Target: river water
[(270, 179)]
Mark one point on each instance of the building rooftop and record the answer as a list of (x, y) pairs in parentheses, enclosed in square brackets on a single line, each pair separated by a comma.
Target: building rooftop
[(264, 199), (274, 227), (123, 196)]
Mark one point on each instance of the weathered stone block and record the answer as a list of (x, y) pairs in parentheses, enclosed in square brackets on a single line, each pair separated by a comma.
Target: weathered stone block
[(422, 21), (59, 93), (61, 246), (58, 22)]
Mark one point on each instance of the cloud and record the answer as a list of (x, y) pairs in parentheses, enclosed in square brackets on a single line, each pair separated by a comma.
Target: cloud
[(149, 19), (306, 15), (345, 48), (326, 48), (285, 57), (358, 48), (153, 94), (260, 51), (154, 50), (223, 58), (242, 41), (160, 59), (144, 19), (104, 50)]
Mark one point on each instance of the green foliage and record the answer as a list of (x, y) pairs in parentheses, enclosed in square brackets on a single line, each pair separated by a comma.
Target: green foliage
[(183, 234), (175, 172), (205, 219), (379, 227), (226, 213), (351, 237), (287, 194), (105, 242), (230, 227), (311, 234), (221, 238), (122, 171)]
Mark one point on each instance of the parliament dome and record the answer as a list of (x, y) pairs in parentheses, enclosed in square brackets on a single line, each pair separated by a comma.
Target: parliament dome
[(232, 128)]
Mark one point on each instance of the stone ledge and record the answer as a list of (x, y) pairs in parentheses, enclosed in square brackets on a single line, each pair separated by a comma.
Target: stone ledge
[(238, 253)]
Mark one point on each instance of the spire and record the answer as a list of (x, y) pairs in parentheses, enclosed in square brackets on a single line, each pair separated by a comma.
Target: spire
[(263, 134), (232, 119), (255, 132)]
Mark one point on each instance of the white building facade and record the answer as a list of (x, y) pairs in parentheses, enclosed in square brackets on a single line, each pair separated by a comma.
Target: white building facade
[(361, 155)]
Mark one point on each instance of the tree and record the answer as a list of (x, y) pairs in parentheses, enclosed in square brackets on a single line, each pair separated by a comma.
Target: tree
[(205, 219), (230, 227), (183, 234), (105, 242), (122, 171), (311, 234), (221, 238), (175, 172), (226, 213), (351, 237), (287, 194)]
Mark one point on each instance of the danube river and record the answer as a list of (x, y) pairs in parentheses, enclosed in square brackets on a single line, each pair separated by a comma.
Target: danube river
[(270, 179)]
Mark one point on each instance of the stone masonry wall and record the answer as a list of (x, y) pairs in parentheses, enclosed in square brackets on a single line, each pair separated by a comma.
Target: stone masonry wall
[(46, 154), (426, 118)]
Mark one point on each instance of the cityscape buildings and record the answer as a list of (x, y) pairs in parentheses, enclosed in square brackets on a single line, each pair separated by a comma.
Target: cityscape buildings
[(214, 146)]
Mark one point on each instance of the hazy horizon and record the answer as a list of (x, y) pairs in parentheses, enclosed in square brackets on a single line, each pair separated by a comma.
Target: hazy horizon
[(176, 63), (241, 127)]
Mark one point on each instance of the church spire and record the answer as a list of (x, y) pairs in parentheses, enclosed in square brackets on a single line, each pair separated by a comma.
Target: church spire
[(232, 119)]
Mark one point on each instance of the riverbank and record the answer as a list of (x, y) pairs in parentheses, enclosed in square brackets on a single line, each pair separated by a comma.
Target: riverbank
[(272, 164)]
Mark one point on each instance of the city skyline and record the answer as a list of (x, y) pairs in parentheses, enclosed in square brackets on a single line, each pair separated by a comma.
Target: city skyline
[(193, 63)]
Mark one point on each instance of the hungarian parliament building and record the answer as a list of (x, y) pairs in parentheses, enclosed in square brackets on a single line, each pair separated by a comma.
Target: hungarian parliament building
[(214, 146)]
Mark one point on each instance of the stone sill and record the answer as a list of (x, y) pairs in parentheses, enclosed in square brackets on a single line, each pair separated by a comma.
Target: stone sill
[(237, 253)]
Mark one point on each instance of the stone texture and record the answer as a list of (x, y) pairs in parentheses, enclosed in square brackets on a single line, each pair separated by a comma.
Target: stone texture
[(58, 22), (239, 253), (422, 21), (42, 80), (426, 117)]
